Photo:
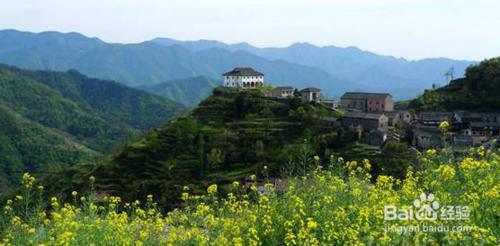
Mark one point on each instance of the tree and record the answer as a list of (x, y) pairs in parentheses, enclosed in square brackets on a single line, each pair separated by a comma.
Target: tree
[(215, 158)]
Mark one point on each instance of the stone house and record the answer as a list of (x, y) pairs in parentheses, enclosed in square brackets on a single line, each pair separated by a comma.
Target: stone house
[(368, 121), (311, 94), (426, 138), (399, 118), (367, 102), (282, 92)]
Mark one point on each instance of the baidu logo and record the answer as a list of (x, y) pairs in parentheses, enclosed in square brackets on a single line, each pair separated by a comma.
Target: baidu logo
[(426, 207)]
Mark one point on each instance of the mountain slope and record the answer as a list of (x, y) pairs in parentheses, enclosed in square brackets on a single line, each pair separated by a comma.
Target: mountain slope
[(148, 63), (26, 145), (229, 136), (189, 91), (369, 69), (477, 91), (58, 118)]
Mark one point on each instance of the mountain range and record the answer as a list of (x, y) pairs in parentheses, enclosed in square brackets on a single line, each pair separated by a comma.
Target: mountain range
[(333, 69), (50, 119)]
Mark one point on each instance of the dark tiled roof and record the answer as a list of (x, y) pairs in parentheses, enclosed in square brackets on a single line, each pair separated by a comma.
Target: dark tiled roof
[(310, 89), (283, 88), (364, 95), (362, 115), (243, 71)]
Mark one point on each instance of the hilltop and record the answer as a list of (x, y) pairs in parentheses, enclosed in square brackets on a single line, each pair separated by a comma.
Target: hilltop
[(477, 91), (229, 136), (63, 118)]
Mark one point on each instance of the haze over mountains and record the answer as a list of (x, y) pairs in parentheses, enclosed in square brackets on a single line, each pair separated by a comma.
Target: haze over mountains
[(331, 68)]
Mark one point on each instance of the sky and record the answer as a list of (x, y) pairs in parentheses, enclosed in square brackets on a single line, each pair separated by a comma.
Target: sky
[(413, 29)]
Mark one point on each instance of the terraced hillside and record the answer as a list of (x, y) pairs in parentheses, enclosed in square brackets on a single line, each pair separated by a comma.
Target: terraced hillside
[(231, 135)]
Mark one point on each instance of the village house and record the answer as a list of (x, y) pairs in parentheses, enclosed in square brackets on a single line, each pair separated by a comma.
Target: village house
[(331, 104), (243, 77), (311, 94), (433, 119), (399, 118), (367, 102), (368, 121), (427, 138), (282, 92)]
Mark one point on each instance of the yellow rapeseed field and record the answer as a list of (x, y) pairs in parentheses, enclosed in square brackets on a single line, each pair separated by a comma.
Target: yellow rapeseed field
[(337, 204)]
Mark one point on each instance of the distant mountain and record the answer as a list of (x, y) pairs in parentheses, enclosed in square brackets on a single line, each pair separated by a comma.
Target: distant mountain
[(404, 78), (150, 63), (59, 118), (188, 91), (478, 91)]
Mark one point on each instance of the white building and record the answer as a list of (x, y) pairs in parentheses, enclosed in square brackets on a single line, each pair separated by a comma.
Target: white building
[(244, 77)]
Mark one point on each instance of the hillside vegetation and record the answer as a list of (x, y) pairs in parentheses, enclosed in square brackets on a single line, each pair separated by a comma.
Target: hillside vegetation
[(53, 118), (334, 204), (27, 145), (478, 91), (228, 137), (189, 92)]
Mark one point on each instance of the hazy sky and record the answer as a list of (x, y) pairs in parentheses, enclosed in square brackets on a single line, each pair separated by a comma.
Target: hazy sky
[(464, 29)]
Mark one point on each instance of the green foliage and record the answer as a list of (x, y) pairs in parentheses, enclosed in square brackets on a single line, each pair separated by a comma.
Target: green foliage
[(63, 118), (229, 136), (336, 204), (189, 92), (479, 90)]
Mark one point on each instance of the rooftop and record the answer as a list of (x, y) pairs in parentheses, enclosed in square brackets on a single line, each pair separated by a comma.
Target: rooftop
[(310, 89), (362, 115), (363, 95), (243, 71), (283, 88)]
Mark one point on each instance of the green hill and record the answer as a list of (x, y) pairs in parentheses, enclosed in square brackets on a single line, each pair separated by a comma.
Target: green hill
[(189, 91), (478, 91), (229, 136), (26, 145), (52, 118)]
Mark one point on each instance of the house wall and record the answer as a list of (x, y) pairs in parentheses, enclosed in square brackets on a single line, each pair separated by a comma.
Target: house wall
[(243, 81), (353, 104), (367, 124)]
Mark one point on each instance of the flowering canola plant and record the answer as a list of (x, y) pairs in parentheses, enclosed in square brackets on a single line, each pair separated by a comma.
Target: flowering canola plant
[(335, 205)]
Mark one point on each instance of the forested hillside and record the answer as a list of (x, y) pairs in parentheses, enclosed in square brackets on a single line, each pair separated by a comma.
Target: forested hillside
[(229, 136), (479, 90), (61, 118), (188, 91)]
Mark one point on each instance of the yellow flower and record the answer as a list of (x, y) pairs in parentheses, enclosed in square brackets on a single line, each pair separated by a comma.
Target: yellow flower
[(74, 193), (431, 152), (212, 189), (316, 158), (444, 125), (447, 172), (311, 224)]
